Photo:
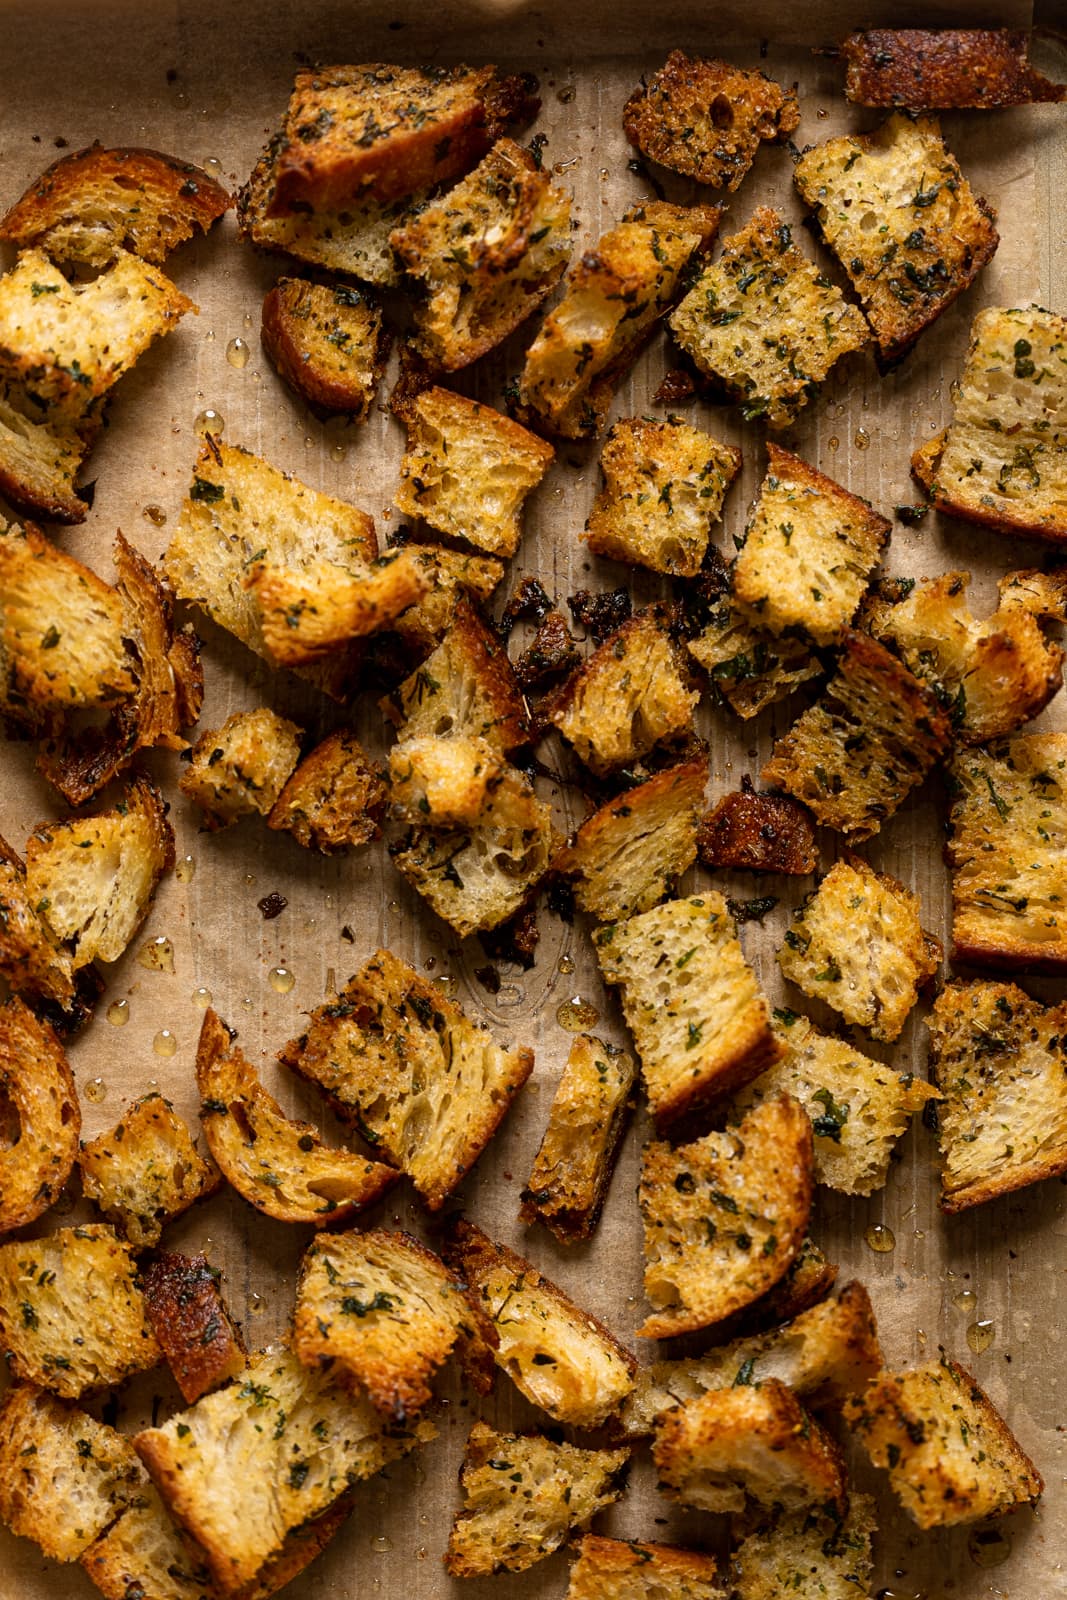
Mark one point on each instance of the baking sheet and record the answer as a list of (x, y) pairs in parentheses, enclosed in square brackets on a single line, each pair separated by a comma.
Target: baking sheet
[(209, 83)]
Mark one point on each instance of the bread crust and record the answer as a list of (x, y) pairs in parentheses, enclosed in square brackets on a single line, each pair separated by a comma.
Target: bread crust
[(201, 1342), (943, 68), (38, 1087), (327, 342)]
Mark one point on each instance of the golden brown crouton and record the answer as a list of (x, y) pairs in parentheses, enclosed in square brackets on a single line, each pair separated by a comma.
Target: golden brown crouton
[(72, 1315), (201, 1343), (617, 1569), (467, 686), (334, 799), (279, 1165), (749, 667), (612, 297), (40, 460), (806, 1282), (523, 1496), (706, 119), (752, 1440), (573, 1165), (724, 1217), (1008, 851), (453, 575), (328, 343), (930, 69), (467, 470), (751, 832), (145, 1171), (855, 755), (425, 1086), (765, 323), (808, 1555), (443, 782), (40, 1101), (903, 221), (240, 769), (699, 1020), (664, 485), (951, 1457), (382, 1312), (312, 611), (31, 958)]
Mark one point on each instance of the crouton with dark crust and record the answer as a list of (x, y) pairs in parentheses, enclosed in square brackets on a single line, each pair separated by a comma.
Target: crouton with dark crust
[(334, 799), (618, 1569), (145, 1171), (310, 614), (465, 687), (750, 668), (39, 1096), (201, 1343), (327, 342), (932, 69), (453, 575), (240, 769), (751, 832)]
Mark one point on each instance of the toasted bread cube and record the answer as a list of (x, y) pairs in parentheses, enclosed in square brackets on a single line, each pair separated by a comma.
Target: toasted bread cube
[(1001, 460), (998, 1059), (706, 119), (753, 1440), (664, 485), (572, 1168), (145, 1171), (328, 343), (72, 1315), (749, 667), (691, 1001), (31, 957), (240, 769), (314, 610), (724, 1217), (809, 1555), (40, 459), (485, 255), (63, 1475), (810, 548), (807, 1281), (903, 221), (1008, 834), (930, 69), (201, 1343), (612, 297), (855, 755), (453, 576), (765, 323), (467, 470), (443, 782), (465, 687), (279, 1165), (522, 1497), (39, 1096), (617, 1569), (334, 799), (951, 1457), (382, 1312), (751, 832)]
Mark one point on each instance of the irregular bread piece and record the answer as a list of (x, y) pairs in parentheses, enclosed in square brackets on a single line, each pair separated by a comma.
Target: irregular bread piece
[(931, 69), (453, 575), (467, 686), (334, 799), (201, 1343), (617, 1569), (309, 613), (443, 781), (808, 1555), (749, 667), (751, 832), (145, 1171), (240, 769), (327, 342), (40, 1106), (40, 460), (31, 957)]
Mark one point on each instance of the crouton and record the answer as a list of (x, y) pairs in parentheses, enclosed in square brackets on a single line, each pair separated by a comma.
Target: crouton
[(810, 548), (39, 1098), (752, 1440), (453, 575), (749, 832), (425, 1086), (723, 1217), (855, 755), (484, 255), (72, 1315), (1000, 462), (998, 1059), (749, 667), (40, 459), (810, 1555), (250, 1464), (240, 769), (764, 322), (931, 69), (612, 297), (523, 1496), (279, 1165), (334, 799), (664, 485), (572, 1168), (807, 1281), (706, 119), (467, 470), (700, 1023), (443, 782), (382, 1312), (63, 1475), (327, 342), (310, 612), (465, 687), (560, 1357), (951, 1457), (31, 957), (903, 221), (633, 692), (1008, 830), (617, 1569), (201, 1343), (145, 1171)]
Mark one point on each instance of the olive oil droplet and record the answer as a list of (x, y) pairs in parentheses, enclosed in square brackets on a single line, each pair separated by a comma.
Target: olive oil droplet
[(966, 1300), (576, 1014), (96, 1091), (164, 1043), (155, 515), (238, 353), (381, 1545), (988, 1547), (980, 1335), (202, 998), (565, 965), (880, 1238), (157, 955), (210, 421), (185, 871), (280, 979), (118, 1013), (833, 443), (862, 439)]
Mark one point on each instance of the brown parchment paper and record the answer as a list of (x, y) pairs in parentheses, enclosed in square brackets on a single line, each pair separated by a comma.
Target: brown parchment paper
[(209, 82)]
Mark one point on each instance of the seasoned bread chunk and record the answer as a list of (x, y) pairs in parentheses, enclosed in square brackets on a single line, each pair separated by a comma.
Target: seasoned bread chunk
[(72, 1315), (467, 470), (31, 957), (201, 1343), (40, 460), (145, 1171), (805, 1283), (1002, 460), (327, 342), (572, 1168), (312, 611), (1000, 1062), (855, 755), (902, 220), (40, 1102), (465, 687), (692, 1002), (1008, 851), (522, 1496), (749, 667), (808, 1555), (930, 69), (381, 1312), (334, 799), (724, 1217), (445, 782), (754, 1440), (612, 297), (426, 1087), (751, 832), (706, 119), (765, 323), (240, 769), (951, 1457), (810, 548), (664, 485), (453, 575), (617, 1569)]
